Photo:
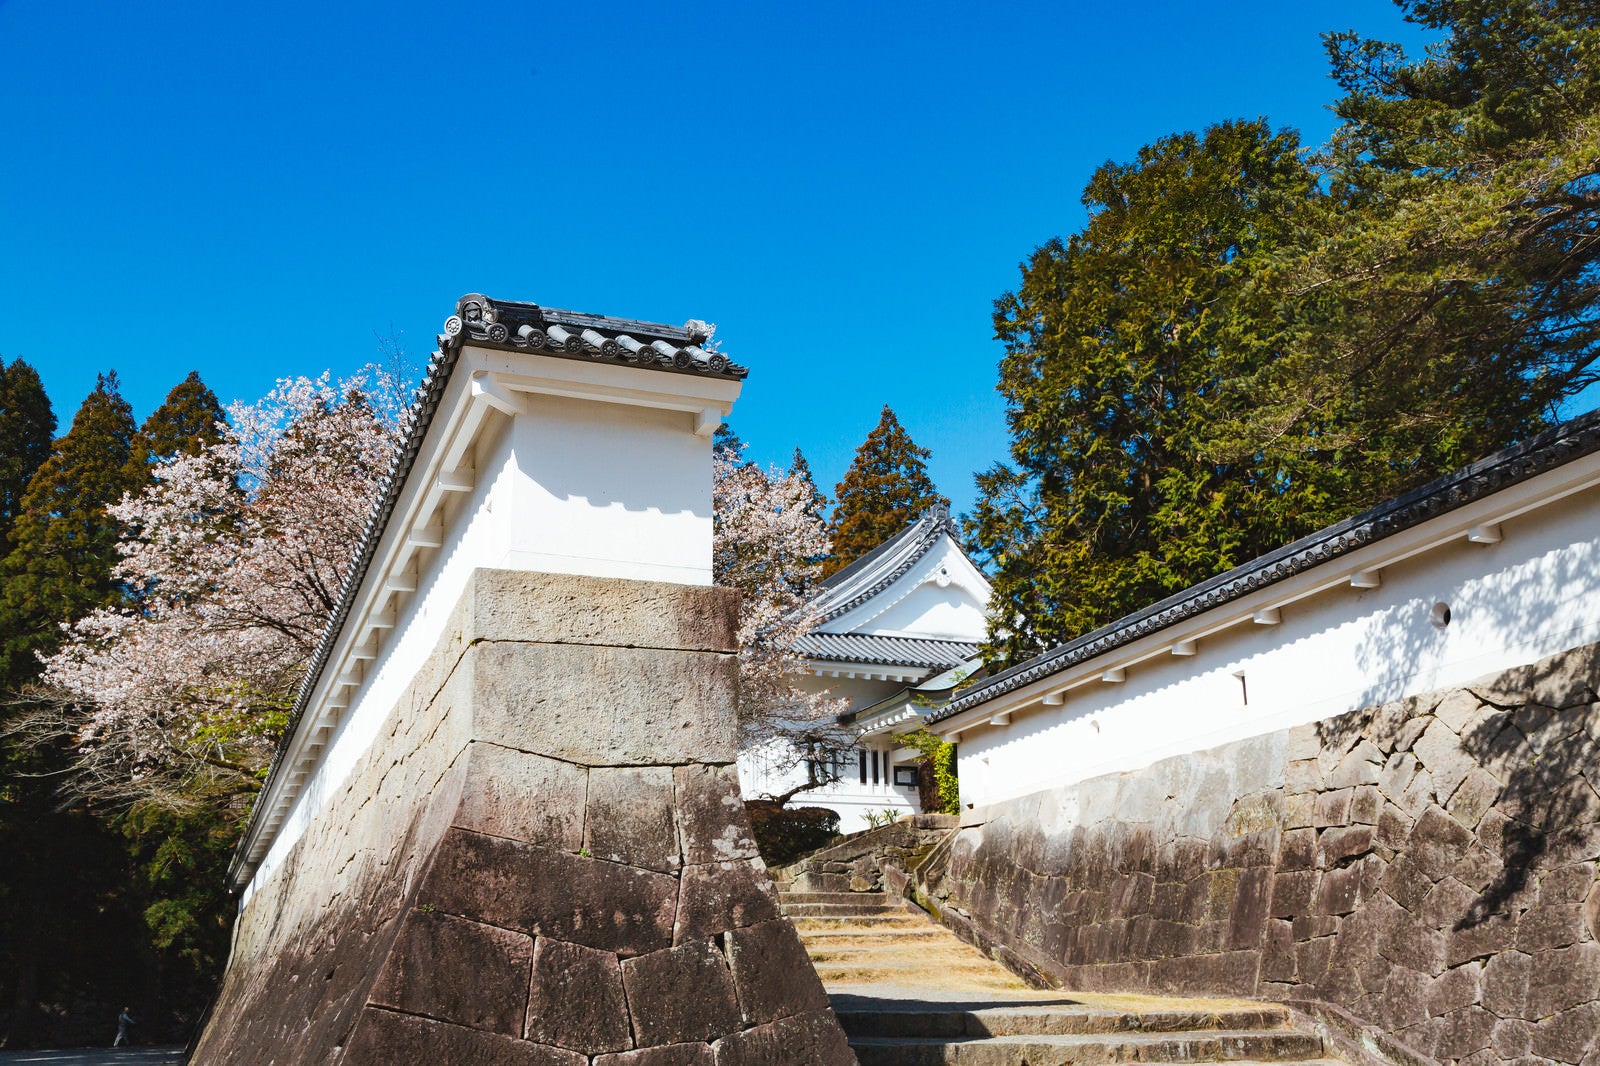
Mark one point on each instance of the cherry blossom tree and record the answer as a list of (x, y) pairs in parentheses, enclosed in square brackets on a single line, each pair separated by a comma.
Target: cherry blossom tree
[(769, 545), (234, 558)]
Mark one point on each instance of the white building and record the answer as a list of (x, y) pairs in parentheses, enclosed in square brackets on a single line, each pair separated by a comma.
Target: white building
[(1492, 567), (898, 628)]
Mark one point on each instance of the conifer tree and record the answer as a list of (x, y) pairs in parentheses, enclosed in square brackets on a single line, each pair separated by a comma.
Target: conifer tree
[(27, 428), (886, 488), (184, 424), (815, 503), (63, 541)]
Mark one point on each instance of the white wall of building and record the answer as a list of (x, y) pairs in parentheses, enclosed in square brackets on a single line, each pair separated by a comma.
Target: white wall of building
[(1534, 593), (611, 491)]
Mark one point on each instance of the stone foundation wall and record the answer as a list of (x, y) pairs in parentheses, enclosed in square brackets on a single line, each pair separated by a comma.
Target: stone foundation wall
[(544, 859), (1429, 866), (873, 860)]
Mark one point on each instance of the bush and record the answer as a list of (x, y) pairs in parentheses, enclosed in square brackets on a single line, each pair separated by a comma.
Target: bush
[(784, 835)]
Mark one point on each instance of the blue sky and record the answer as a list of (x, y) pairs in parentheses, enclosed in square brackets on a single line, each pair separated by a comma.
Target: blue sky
[(257, 191)]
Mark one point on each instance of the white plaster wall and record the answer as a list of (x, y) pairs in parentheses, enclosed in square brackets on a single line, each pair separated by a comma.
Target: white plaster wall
[(611, 490), (476, 539), (1535, 593)]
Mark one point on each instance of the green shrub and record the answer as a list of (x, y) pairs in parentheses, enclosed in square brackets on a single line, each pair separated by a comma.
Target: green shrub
[(785, 834)]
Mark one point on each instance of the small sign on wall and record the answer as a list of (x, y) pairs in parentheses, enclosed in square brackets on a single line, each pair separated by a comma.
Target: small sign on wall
[(905, 775)]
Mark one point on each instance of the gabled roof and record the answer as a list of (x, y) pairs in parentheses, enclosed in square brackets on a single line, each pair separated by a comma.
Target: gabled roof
[(575, 335), (886, 651), (881, 567), (1554, 448)]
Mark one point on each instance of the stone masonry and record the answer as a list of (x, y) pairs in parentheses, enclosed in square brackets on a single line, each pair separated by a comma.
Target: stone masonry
[(1427, 867), (544, 861)]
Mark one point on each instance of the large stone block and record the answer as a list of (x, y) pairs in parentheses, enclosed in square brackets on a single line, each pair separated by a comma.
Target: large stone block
[(712, 821), (630, 817), (517, 605), (551, 893), (681, 994), (605, 706), (695, 1054), (576, 1000), (772, 973), (804, 1040), (458, 971), (383, 1038), (526, 797), (717, 897)]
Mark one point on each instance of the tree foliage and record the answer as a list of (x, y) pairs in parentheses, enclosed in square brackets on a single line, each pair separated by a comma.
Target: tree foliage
[(64, 540), (234, 557), (768, 544), (187, 422), (1246, 343), (27, 430), (885, 488)]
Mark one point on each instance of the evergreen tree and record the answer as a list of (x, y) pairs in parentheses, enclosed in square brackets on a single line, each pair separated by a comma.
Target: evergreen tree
[(185, 423), (64, 543), (1445, 297), (69, 929), (817, 506), (1118, 352), (884, 490), (27, 427), (1243, 344)]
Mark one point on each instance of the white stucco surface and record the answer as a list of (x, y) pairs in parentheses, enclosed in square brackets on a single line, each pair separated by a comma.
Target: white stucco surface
[(1534, 593)]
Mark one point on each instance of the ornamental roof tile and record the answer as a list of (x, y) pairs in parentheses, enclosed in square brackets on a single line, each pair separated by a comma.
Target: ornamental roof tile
[(576, 335)]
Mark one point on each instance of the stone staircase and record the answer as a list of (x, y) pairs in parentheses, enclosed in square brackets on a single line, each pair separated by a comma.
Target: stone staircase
[(909, 993)]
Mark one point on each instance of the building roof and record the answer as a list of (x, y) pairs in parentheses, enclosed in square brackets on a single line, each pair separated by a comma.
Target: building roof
[(1560, 445), (475, 321), (575, 335), (881, 567), (886, 651)]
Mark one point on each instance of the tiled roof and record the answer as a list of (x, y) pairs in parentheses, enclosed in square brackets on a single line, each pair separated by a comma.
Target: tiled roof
[(886, 651), (883, 565), (575, 335), (1555, 447)]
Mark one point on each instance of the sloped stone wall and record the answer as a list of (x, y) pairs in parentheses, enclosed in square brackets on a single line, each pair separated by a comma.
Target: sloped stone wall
[(872, 860), (544, 860), (1429, 866)]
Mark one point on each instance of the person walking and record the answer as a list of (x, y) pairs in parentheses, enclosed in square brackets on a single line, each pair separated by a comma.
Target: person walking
[(124, 1020)]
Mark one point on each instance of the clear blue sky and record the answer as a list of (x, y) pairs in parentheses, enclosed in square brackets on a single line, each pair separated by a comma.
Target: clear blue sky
[(256, 191)]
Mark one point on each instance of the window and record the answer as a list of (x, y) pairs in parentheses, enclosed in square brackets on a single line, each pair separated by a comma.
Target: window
[(874, 768), (863, 767)]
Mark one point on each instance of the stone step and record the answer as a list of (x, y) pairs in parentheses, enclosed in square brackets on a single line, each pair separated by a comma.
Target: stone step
[(1090, 1049), (1056, 1020), (970, 972), (841, 910), (919, 954), (880, 899), (847, 936)]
